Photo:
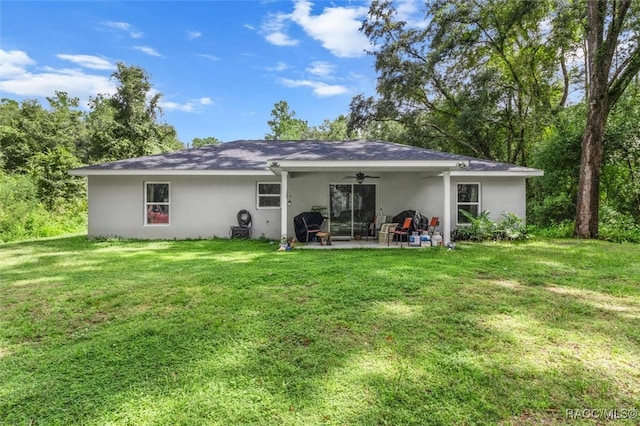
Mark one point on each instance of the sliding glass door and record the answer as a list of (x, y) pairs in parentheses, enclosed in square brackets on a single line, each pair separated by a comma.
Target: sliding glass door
[(350, 206)]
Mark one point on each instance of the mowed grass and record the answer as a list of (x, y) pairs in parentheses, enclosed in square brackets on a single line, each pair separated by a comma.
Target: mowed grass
[(234, 332)]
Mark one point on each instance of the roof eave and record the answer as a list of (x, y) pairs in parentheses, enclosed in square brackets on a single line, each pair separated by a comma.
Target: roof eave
[(363, 165), (167, 172), (499, 173)]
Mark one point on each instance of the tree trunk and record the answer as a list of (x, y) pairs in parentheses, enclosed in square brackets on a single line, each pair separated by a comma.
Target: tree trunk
[(588, 202), (598, 65)]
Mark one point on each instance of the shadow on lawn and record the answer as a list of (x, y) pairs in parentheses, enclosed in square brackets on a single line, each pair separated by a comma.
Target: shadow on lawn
[(226, 333)]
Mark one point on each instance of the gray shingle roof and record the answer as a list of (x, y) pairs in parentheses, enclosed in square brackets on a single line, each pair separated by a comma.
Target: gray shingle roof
[(256, 155)]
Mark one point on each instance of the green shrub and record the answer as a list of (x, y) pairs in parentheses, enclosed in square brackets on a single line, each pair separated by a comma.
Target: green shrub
[(563, 229), (482, 228), (617, 227), (511, 227), (23, 216)]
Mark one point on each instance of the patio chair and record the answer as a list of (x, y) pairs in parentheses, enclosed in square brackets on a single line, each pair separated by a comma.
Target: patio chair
[(311, 230), (402, 230), (435, 221), (369, 229), (386, 232)]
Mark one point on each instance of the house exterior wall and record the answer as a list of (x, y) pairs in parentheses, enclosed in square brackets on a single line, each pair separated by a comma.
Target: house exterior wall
[(206, 206), (497, 195), (200, 207)]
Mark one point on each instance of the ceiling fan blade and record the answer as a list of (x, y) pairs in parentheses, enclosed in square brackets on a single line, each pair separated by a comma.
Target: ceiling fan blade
[(360, 177)]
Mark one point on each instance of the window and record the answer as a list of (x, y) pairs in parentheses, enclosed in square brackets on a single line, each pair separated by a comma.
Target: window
[(468, 200), (268, 195), (156, 204)]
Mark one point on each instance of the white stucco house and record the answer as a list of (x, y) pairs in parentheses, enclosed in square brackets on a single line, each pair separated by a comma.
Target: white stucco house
[(197, 193)]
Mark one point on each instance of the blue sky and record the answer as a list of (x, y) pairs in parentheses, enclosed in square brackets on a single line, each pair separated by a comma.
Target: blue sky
[(220, 65)]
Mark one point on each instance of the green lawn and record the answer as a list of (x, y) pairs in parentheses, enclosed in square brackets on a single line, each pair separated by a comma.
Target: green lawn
[(235, 332)]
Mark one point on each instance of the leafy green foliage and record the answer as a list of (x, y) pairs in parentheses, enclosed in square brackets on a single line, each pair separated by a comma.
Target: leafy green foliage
[(618, 227), (199, 142), (612, 64), (23, 216), (284, 124), (333, 130), (552, 196), (620, 180), (482, 228), (512, 77), (54, 184), (125, 125), (558, 230)]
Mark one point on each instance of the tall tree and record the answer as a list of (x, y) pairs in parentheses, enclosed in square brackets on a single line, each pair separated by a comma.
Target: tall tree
[(27, 128), (125, 124), (613, 60), (284, 124), (67, 124), (475, 77), (620, 182), (55, 186), (330, 130), (198, 142)]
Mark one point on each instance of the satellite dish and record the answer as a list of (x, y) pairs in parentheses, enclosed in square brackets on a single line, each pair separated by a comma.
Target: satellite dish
[(360, 177)]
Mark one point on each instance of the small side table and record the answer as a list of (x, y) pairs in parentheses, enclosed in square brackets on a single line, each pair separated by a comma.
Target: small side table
[(325, 238)]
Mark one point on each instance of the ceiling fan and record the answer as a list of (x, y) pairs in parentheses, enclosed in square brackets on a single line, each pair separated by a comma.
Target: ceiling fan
[(360, 177)]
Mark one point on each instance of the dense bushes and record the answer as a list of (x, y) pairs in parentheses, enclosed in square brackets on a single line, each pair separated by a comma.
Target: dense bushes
[(614, 226), (618, 227), (482, 228), (23, 216)]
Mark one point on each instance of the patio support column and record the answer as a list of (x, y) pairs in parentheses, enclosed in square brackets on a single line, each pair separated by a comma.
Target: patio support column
[(446, 219), (284, 203)]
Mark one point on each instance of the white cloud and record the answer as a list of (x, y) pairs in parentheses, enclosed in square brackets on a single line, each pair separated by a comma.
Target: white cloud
[(175, 106), (20, 77), (280, 66), (337, 28), (210, 57), (193, 105), (274, 28), (13, 63), (281, 39), (148, 50), (319, 88), (88, 61), (249, 27), (194, 34), (321, 69), (123, 26), (20, 80)]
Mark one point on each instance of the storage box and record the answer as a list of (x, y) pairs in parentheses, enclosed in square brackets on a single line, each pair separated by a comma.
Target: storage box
[(239, 232)]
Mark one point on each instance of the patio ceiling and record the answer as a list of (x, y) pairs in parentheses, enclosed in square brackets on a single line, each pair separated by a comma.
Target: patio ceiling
[(428, 166)]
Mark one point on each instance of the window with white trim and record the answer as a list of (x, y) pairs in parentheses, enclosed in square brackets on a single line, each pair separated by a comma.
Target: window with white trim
[(268, 195), (156, 203), (468, 199)]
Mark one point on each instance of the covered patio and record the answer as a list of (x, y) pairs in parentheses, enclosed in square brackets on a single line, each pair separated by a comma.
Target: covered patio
[(357, 244), (422, 186)]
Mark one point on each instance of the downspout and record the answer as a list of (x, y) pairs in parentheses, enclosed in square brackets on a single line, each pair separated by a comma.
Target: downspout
[(446, 217), (284, 203)]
